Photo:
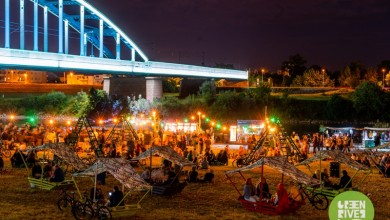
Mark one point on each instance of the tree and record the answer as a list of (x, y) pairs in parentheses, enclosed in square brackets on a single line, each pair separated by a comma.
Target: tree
[(339, 108), (313, 78), (371, 75), (369, 101), (140, 105), (171, 85), (295, 65), (80, 106), (348, 78), (208, 91), (99, 104), (387, 79), (228, 104)]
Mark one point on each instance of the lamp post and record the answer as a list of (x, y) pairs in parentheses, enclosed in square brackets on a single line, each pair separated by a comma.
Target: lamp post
[(200, 125), (383, 77), (155, 127), (323, 77), (262, 74)]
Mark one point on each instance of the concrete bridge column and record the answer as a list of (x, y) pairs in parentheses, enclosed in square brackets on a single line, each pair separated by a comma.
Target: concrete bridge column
[(153, 88)]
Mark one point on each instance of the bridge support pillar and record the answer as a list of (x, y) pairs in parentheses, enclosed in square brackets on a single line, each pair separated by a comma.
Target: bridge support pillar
[(7, 17), (35, 25), (45, 30), (146, 87), (21, 25), (153, 88), (82, 41), (60, 27)]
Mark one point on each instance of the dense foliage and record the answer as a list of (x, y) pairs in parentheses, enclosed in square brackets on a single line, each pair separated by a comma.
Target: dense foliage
[(368, 103)]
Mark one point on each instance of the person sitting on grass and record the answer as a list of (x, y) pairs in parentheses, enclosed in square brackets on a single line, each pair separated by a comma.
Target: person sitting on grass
[(171, 177), (193, 175), (208, 177), (96, 194), (58, 175), (48, 169), (36, 171), (146, 175), (204, 163), (250, 191), (263, 189), (345, 180), (283, 200), (325, 178), (366, 162), (211, 157), (17, 159), (116, 197)]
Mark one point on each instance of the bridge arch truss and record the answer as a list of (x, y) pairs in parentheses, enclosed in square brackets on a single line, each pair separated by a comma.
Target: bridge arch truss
[(71, 14)]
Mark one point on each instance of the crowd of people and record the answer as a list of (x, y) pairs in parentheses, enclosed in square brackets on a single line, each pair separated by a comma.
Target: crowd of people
[(191, 145)]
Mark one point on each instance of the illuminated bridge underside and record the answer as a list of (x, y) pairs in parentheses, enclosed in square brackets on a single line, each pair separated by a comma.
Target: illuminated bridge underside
[(63, 62)]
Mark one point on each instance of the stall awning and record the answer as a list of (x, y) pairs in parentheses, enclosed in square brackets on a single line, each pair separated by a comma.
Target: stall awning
[(120, 169), (65, 153), (337, 156), (167, 153), (283, 166)]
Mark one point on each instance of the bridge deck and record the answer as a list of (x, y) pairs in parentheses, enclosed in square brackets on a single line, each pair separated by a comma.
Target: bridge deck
[(11, 58)]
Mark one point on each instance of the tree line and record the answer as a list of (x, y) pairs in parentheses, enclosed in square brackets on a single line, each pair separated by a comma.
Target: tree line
[(366, 104), (294, 72)]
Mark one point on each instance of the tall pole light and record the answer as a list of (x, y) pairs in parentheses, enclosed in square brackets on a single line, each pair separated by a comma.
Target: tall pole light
[(262, 74), (200, 126), (323, 77), (383, 77)]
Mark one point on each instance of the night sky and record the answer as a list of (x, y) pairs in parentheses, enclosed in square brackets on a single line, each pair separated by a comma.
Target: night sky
[(254, 33)]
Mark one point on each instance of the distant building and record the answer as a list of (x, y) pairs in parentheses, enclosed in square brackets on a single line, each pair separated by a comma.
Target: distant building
[(23, 76), (80, 79)]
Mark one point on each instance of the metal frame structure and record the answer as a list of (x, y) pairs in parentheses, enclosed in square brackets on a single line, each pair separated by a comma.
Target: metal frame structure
[(94, 28)]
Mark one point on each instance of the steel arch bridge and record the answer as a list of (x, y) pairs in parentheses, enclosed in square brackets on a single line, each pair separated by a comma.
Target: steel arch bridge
[(93, 30)]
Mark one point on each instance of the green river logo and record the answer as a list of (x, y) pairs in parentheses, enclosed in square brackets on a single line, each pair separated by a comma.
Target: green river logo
[(351, 205)]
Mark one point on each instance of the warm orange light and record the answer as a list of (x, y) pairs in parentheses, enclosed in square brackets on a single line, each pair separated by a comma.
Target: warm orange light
[(51, 121), (115, 120), (224, 128), (68, 122), (203, 116), (199, 113), (212, 123), (12, 117), (100, 121), (154, 113), (193, 117)]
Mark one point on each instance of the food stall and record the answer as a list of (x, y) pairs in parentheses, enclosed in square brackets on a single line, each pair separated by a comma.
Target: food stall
[(373, 137)]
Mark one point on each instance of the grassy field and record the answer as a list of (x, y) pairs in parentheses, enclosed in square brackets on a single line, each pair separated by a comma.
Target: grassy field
[(346, 93), (196, 201)]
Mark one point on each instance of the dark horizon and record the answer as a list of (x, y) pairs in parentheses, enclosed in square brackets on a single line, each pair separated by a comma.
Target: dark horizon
[(250, 34)]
